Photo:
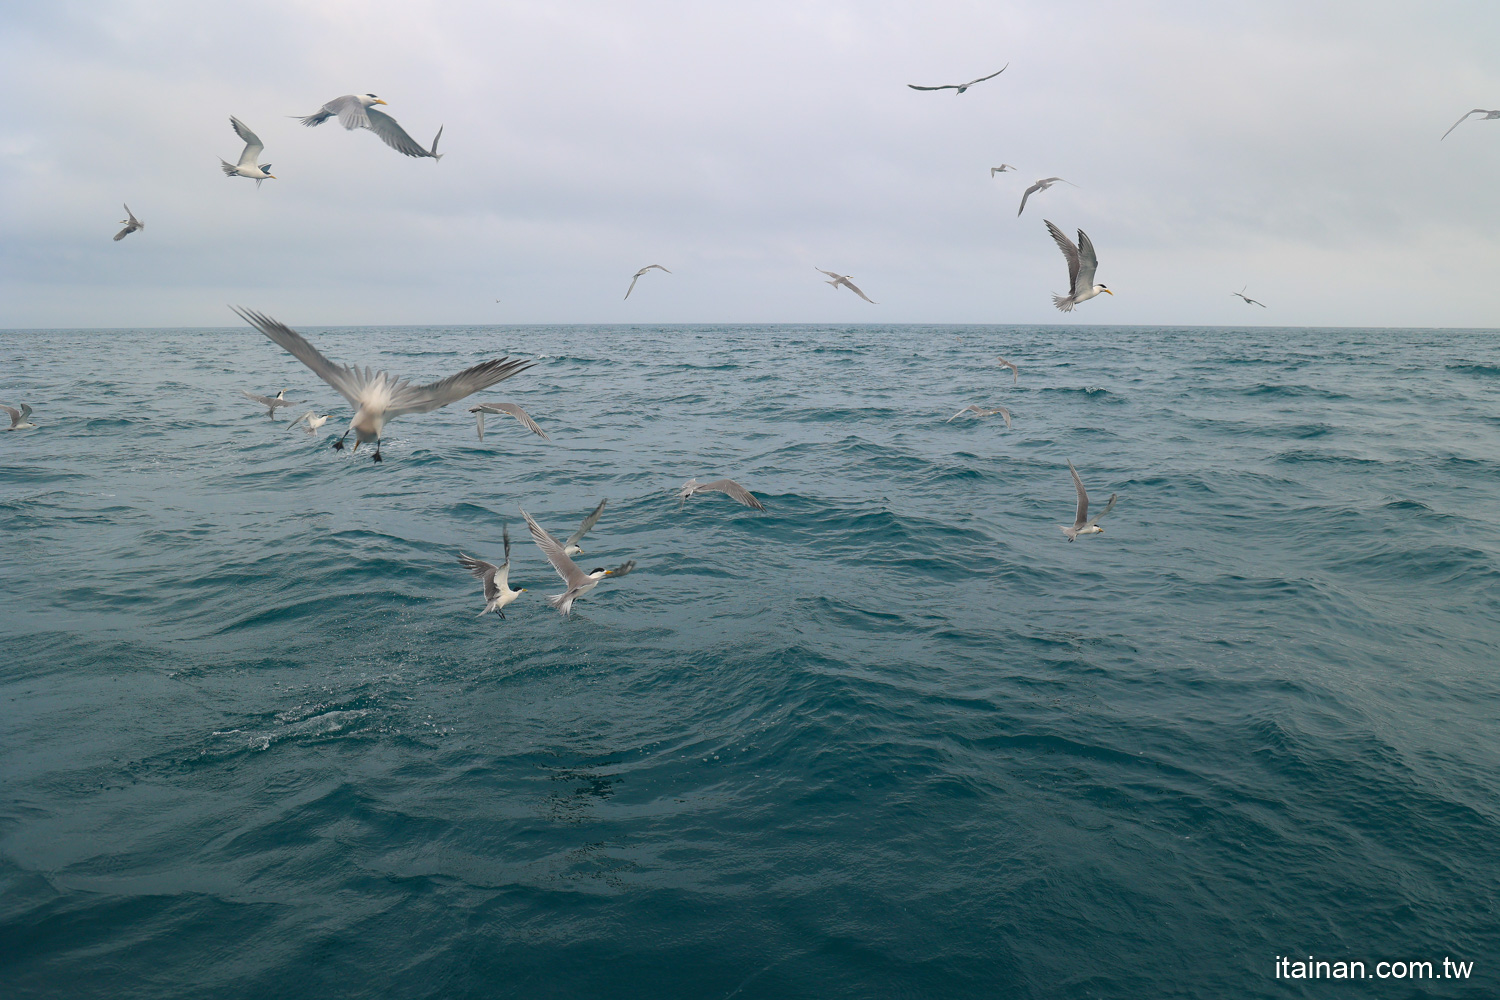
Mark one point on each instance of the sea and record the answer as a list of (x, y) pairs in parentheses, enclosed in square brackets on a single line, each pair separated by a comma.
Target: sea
[(892, 737)]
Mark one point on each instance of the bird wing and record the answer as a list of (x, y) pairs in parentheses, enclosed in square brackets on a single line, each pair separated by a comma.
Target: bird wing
[(855, 289), (960, 413), (1083, 498), (482, 571), (1027, 194), (25, 410), (348, 382), (1476, 111), (124, 233), (656, 266), (1108, 506), (946, 86), (350, 110), (623, 569), (831, 274), (566, 568), (1070, 252), (1004, 413), (253, 145), (588, 523), (15, 414), (306, 416), (1015, 372), (393, 135), (262, 400), (408, 398), (515, 411), (505, 534), (134, 222), (734, 491), (478, 412), (1089, 262), (634, 278), (1257, 302), (997, 72)]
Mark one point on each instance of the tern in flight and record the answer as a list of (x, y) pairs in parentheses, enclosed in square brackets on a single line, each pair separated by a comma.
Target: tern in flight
[(1083, 524), (18, 418), (1082, 263), (1248, 299), (131, 224), (1477, 111), (510, 408), (637, 276), (247, 167), (313, 421), (378, 396), (358, 111), (1002, 168), (961, 87), (270, 402), (843, 279), (1015, 373), (570, 547), (579, 582), (1040, 185), (728, 487), (496, 579), (980, 411)]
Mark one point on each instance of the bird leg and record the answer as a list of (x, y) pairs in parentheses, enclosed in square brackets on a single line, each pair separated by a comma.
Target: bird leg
[(339, 444), (377, 451)]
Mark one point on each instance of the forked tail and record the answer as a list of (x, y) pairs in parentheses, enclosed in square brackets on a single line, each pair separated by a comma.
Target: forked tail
[(561, 602), (311, 120), (227, 167), (1063, 302)]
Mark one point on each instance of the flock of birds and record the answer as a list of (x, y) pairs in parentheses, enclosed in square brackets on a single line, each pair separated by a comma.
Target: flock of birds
[(378, 397)]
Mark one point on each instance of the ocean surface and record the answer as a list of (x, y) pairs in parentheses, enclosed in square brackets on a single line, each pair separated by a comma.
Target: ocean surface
[(893, 737)]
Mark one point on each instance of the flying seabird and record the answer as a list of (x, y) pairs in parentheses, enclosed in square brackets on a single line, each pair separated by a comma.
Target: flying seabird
[(1040, 185), (570, 547), (511, 408), (636, 277), (357, 111), (1014, 371), (1082, 263), (313, 421), (728, 487), (247, 167), (843, 279), (961, 87), (1477, 111), (1083, 524), (496, 579), (18, 421), (1002, 168), (270, 402), (980, 411), (1248, 300), (579, 582), (378, 396), (131, 224)]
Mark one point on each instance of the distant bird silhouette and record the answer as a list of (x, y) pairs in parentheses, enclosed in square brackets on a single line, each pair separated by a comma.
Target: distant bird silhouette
[(961, 87), (131, 224)]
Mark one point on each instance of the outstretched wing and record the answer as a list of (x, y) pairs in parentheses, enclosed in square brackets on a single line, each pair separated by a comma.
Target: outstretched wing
[(351, 111), (1476, 111), (960, 413), (408, 398), (566, 568), (633, 279), (734, 491), (588, 523), (1108, 506), (1083, 498), (15, 414), (347, 381), (831, 274), (1070, 252), (855, 289), (946, 86), (997, 72), (1088, 263), (253, 145), (393, 135), (513, 410), (482, 571)]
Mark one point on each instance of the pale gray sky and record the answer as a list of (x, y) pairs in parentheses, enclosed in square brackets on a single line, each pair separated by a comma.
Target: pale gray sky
[(1292, 147)]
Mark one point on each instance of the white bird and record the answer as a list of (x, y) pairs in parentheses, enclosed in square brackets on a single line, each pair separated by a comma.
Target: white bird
[(510, 408), (270, 402), (1040, 185), (961, 87), (1477, 111), (1082, 263), (1248, 300), (1014, 371), (636, 277), (357, 111), (313, 421), (378, 396), (1083, 524), (843, 279), (1002, 168), (728, 487), (18, 421), (247, 167), (980, 411), (496, 579), (579, 582), (570, 547), (131, 224)]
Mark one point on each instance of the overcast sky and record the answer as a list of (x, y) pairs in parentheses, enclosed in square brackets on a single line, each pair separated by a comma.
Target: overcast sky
[(1292, 147)]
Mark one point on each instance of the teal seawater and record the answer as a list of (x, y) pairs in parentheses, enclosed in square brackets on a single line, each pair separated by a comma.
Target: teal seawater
[(894, 737)]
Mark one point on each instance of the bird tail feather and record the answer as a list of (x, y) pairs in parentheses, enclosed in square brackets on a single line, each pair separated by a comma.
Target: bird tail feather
[(311, 120), (227, 167), (1063, 302), (561, 602)]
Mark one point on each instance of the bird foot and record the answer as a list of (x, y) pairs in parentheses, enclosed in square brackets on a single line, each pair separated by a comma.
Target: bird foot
[(378, 458), (338, 445)]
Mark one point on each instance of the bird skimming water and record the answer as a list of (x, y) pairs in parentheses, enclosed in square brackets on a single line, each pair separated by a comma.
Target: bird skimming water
[(980, 411), (18, 418)]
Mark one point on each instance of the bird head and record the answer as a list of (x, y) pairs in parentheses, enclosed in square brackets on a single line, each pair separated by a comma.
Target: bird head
[(599, 572), (374, 100), (1104, 289)]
